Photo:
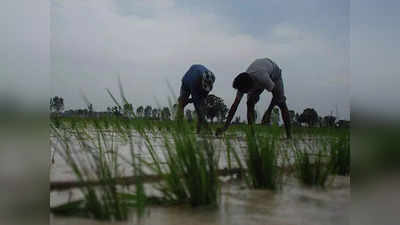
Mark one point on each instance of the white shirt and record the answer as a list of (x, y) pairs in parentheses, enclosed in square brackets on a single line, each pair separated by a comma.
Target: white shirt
[(260, 71)]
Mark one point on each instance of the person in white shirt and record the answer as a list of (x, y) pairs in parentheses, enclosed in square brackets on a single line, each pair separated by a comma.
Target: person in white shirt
[(262, 74)]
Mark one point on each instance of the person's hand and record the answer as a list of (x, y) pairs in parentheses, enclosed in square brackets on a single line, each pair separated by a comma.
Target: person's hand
[(220, 131)]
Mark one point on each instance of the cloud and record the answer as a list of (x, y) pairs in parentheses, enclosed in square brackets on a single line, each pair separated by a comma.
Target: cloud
[(150, 42)]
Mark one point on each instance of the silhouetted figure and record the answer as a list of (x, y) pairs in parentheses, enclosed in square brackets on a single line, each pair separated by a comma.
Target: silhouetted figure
[(262, 74), (197, 83)]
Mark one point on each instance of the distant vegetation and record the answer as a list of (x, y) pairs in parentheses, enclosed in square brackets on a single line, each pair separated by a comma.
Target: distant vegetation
[(216, 108)]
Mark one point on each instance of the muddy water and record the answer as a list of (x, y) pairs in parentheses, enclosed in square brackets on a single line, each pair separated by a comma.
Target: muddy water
[(60, 171), (293, 205)]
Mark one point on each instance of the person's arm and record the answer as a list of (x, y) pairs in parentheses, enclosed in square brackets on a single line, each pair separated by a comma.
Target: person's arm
[(231, 113)]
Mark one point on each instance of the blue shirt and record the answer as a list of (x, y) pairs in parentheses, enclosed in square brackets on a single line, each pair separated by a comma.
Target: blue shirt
[(191, 81)]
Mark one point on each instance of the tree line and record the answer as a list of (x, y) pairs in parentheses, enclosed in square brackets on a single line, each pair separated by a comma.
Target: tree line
[(215, 108)]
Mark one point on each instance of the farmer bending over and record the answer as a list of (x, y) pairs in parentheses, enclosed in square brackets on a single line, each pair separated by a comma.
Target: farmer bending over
[(262, 74), (197, 82)]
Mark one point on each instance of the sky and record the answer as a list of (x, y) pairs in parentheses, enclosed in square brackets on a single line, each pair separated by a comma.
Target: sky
[(151, 44), (330, 52)]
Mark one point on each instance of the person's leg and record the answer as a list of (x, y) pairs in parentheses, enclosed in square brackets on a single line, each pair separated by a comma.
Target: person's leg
[(200, 107), (252, 98), (267, 115), (183, 100), (280, 99), (250, 113), (286, 118)]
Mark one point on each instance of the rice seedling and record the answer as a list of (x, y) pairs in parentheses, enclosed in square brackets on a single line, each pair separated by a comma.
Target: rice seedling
[(234, 157), (189, 170), (94, 156), (261, 160), (340, 155), (313, 164)]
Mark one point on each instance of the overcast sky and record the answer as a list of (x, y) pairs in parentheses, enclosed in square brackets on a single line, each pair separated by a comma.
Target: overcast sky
[(86, 44), (152, 43)]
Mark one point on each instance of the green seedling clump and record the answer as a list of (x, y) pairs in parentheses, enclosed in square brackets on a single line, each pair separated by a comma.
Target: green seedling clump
[(314, 165), (190, 167), (262, 161), (94, 156)]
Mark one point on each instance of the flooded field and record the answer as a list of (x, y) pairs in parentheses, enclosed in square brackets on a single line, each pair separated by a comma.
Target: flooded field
[(295, 204), (287, 182), (61, 171)]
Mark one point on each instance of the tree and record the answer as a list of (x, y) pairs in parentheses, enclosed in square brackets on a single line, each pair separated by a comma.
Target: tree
[(294, 117), (56, 104), (329, 121), (147, 111), (165, 113), (128, 109), (309, 116), (155, 114), (215, 108), (139, 111), (343, 124), (90, 108)]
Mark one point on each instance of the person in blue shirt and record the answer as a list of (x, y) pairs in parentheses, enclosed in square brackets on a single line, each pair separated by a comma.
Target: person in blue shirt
[(197, 82)]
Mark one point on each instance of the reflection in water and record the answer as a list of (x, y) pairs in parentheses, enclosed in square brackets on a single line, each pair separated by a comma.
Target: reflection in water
[(293, 205)]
